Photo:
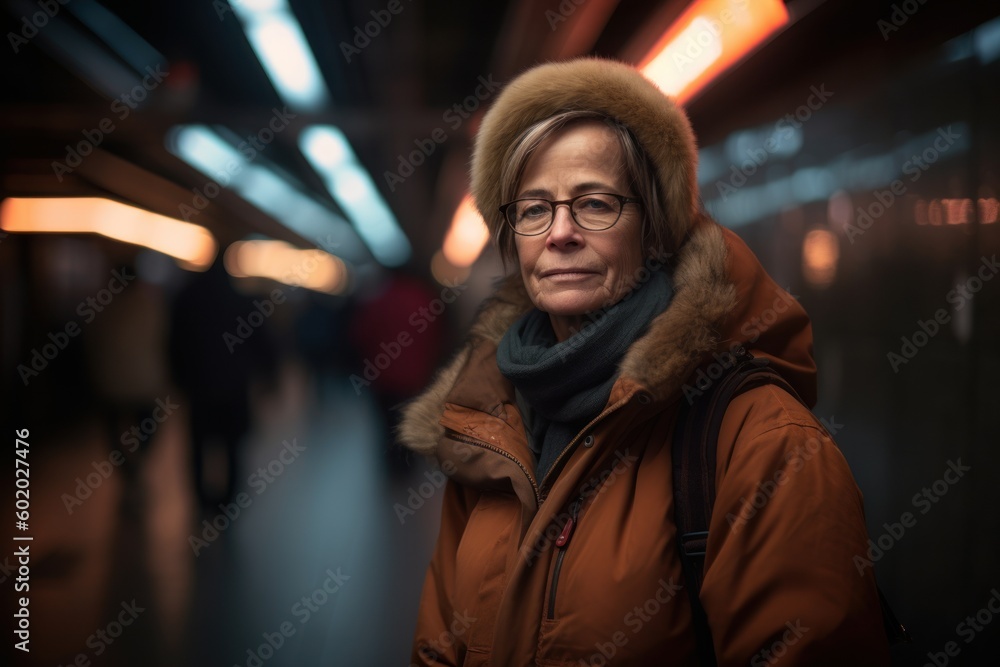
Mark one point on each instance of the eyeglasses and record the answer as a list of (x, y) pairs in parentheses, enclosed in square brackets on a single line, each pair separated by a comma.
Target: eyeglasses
[(594, 211)]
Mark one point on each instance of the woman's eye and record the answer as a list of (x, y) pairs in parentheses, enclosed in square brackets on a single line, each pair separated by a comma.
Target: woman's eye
[(594, 204), (534, 211)]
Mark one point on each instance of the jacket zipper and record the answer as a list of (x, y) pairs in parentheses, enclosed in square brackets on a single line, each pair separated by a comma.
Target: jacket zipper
[(461, 437), (561, 543), (555, 464)]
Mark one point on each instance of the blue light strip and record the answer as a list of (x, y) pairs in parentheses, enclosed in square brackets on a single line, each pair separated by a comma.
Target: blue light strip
[(331, 155), (213, 156), (277, 38), (743, 205), (125, 41)]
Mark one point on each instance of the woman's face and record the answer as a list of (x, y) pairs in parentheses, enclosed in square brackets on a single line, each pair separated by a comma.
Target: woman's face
[(570, 271)]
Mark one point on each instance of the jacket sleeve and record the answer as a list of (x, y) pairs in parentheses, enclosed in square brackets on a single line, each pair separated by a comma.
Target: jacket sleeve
[(433, 643), (786, 572)]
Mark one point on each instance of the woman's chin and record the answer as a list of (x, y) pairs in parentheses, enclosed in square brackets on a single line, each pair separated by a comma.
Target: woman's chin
[(569, 306)]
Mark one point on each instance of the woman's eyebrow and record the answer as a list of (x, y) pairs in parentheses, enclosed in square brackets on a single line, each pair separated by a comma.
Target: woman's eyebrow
[(593, 186), (579, 188)]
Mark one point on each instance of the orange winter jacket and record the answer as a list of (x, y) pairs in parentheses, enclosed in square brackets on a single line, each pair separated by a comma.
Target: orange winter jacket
[(582, 567)]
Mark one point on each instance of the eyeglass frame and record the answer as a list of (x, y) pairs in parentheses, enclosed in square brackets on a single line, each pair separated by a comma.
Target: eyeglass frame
[(622, 200)]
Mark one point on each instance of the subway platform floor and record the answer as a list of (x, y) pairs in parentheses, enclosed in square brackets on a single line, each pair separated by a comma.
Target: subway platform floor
[(312, 564)]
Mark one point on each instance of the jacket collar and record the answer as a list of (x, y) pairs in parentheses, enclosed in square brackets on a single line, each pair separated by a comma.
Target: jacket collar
[(659, 362)]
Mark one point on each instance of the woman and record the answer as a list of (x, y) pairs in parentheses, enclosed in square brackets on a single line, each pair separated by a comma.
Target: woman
[(558, 544)]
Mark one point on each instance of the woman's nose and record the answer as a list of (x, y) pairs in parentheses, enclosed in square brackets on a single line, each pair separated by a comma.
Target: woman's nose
[(563, 228)]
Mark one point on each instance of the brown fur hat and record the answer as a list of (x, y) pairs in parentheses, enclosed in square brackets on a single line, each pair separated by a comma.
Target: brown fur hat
[(612, 88)]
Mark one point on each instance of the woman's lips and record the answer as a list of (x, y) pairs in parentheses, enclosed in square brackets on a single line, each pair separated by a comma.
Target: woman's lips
[(568, 275)]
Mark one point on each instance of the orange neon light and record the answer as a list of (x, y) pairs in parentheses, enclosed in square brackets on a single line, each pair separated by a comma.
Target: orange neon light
[(191, 245), (467, 235), (280, 261), (708, 38)]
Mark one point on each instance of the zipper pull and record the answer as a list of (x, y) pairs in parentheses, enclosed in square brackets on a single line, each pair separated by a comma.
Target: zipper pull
[(567, 530), (565, 534)]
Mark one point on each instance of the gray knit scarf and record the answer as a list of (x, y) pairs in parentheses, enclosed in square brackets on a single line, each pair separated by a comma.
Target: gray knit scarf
[(561, 386)]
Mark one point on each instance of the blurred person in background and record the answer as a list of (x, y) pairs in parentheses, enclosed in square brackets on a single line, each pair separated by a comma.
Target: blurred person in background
[(215, 372), (555, 421), (398, 344)]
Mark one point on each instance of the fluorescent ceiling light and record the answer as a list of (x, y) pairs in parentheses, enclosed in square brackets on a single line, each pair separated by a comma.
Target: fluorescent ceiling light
[(191, 245), (277, 38), (708, 38), (674, 70), (213, 156), (331, 155), (987, 41)]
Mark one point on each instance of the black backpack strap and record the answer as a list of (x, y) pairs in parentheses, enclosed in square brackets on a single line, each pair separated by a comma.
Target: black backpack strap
[(695, 445), (894, 630)]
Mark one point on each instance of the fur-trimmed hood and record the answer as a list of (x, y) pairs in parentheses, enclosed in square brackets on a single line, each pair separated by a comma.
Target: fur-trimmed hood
[(722, 298), (611, 500), (722, 295)]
